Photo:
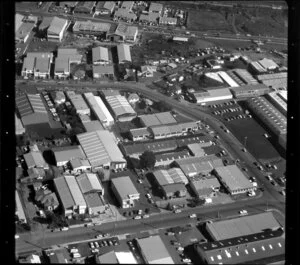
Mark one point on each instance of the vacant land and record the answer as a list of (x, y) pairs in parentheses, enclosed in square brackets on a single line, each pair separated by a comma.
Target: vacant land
[(208, 20), (26, 6)]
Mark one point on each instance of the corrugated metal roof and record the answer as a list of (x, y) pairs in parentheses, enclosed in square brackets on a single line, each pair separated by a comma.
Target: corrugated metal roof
[(139, 132), (157, 119), (78, 102), (154, 250), (100, 147), (89, 182), (124, 187), (67, 153), (92, 126), (75, 191), (35, 159), (124, 54), (233, 177), (100, 54), (242, 226), (64, 192), (120, 105)]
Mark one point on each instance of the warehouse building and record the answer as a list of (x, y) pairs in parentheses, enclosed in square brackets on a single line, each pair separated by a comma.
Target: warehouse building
[(124, 54), (125, 191), (173, 190), (37, 64), (19, 209), (90, 183), (100, 71), (101, 149), (268, 114), (211, 95), (105, 8), (279, 100), (171, 176), (57, 29), (154, 251), (99, 109), (139, 134), (123, 33), (197, 150), (65, 197), (242, 226), (155, 8), (167, 158), (18, 21), (113, 257), (79, 165), (268, 64), (245, 76), (233, 179), (214, 76), (276, 81), (92, 126), (35, 159), (167, 20), (66, 57), (66, 153), (84, 7), (227, 79), (121, 109), (192, 166), (31, 109), (255, 249), (19, 126), (256, 68), (79, 104), (77, 195), (95, 203), (100, 55), (22, 33), (91, 28), (249, 91), (204, 187), (161, 118)]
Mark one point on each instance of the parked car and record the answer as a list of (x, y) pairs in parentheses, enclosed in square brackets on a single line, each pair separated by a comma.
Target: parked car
[(243, 212), (193, 215)]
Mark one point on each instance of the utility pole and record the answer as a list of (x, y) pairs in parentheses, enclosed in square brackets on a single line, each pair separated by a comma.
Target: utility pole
[(245, 141)]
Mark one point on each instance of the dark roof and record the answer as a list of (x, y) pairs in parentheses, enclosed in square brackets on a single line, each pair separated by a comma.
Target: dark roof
[(174, 187), (172, 156)]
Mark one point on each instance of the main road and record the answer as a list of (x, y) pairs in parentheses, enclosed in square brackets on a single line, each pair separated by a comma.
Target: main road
[(167, 31), (271, 197)]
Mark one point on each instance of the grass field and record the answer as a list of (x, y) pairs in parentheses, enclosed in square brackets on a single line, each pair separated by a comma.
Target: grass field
[(26, 6), (206, 20)]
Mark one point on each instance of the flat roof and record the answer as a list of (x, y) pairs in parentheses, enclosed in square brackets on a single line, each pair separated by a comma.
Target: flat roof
[(171, 156), (100, 147), (64, 192), (57, 25), (139, 132), (151, 17), (242, 226), (92, 126), (91, 26), (103, 69), (157, 119), (78, 102), (268, 64), (204, 183), (197, 149), (109, 5), (233, 177), (46, 22), (67, 153), (154, 250), (125, 187), (18, 21)]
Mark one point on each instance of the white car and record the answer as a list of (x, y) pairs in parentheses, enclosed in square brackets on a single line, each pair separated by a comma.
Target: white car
[(146, 216), (96, 244), (177, 211), (243, 212), (148, 195), (186, 260), (92, 245), (193, 215), (137, 217)]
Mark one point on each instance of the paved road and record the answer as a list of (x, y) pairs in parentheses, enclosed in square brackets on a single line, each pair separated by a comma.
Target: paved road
[(175, 31)]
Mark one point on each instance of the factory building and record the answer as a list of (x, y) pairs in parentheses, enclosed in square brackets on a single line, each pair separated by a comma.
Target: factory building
[(233, 179), (256, 68), (268, 64), (154, 251), (101, 149), (168, 21), (66, 57), (95, 203), (226, 78), (113, 257), (23, 30), (269, 115), (276, 81), (196, 149), (65, 154), (99, 110), (173, 175), (90, 183), (245, 76), (91, 28), (31, 109), (57, 28), (123, 33), (124, 54), (79, 165), (204, 187), (79, 104), (246, 91), (100, 55), (125, 15), (125, 191), (211, 95), (35, 159), (121, 109), (279, 100), (155, 8), (139, 134), (161, 118), (92, 126)]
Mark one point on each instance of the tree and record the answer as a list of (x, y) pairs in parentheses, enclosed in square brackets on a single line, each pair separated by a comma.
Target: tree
[(147, 159)]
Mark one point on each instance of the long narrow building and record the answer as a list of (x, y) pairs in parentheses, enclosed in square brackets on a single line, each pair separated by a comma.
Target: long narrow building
[(99, 109)]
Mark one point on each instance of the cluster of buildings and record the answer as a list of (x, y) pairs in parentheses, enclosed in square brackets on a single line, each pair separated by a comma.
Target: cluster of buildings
[(240, 240)]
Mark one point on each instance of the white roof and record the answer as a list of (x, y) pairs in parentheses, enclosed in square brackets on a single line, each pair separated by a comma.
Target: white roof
[(91, 26), (100, 54), (214, 76), (99, 108), (100, 147), (268, 64), (18, 21), (227, 79), (19, 205), (120, 105), (75, 191), (125, 187), (89, 182), (125, 258), (124, 53), (233, 177), (57, 25)]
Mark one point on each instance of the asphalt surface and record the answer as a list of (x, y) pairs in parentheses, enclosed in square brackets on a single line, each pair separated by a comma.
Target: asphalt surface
[(271, 197)]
